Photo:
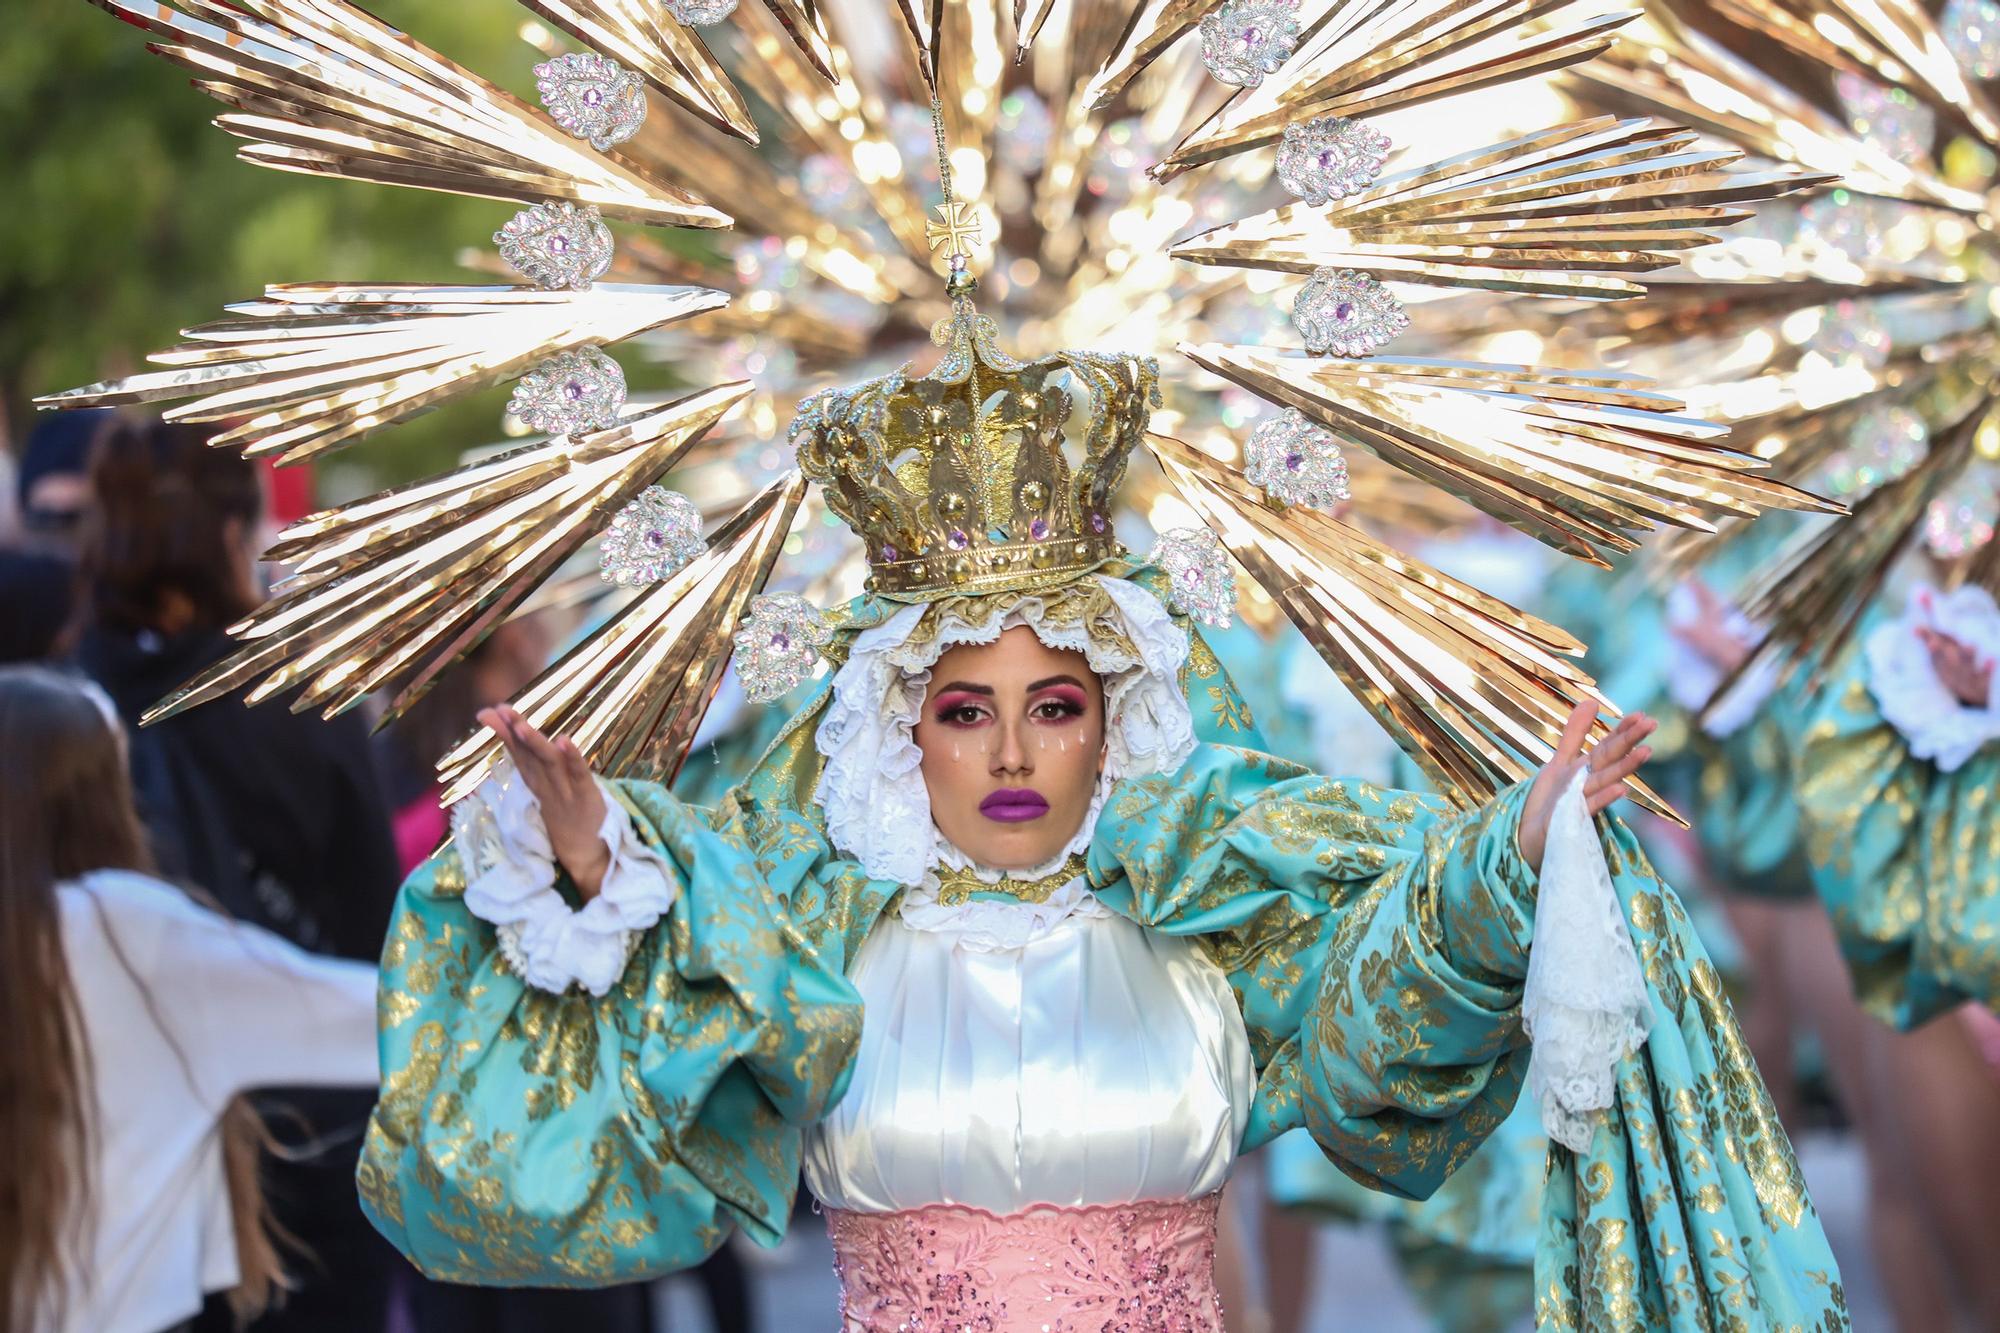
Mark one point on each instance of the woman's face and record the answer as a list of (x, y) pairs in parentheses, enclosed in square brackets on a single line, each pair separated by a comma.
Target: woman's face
[(1012, 734)]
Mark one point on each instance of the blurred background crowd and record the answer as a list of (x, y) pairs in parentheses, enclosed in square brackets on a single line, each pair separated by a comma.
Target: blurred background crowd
[(228, 1062)]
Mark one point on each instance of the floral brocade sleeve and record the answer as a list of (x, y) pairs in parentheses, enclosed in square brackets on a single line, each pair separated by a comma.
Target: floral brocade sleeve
[(525, 1138), (1378, 942), (1905, 854)]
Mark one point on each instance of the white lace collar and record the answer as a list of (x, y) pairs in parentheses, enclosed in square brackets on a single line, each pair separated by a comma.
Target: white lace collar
[(872, 787), (990, 925)]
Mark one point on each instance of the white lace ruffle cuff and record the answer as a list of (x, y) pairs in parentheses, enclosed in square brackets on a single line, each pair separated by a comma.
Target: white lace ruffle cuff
[(1935, 722), (510, 873), (1585, 1005)]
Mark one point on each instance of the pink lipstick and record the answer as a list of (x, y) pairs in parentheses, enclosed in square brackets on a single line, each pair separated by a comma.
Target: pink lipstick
[(1014, 805)]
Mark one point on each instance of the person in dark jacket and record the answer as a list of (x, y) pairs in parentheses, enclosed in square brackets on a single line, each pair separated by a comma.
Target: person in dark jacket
[(278, 815)]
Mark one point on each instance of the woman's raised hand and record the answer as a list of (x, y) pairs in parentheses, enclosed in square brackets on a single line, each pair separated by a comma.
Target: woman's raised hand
[(572, 806), (1958, 667), (1610, 762)]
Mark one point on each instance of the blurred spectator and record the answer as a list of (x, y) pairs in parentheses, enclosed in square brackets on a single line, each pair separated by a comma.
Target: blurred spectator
[(52, 478), (278, 814), (134, 1018), (35, 606)]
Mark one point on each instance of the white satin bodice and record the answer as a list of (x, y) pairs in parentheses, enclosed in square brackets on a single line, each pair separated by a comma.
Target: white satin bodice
[(1014, 1055)]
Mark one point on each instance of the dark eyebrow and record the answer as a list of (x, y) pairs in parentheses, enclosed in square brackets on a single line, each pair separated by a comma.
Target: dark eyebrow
[(967, 688), (1055, 680)]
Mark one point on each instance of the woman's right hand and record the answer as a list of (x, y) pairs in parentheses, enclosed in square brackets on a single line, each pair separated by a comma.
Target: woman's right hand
[(1958, 667), (572, 805)]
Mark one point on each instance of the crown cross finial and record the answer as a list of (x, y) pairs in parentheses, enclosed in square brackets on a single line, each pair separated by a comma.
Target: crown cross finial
[(956, 227)]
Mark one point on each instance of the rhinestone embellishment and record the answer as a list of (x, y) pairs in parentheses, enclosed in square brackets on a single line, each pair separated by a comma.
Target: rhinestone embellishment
[(1200, 580), (592, 97), (651, 538), (1247, 39), (570, 392), (556, 246), (1297, 461), (1346, 313), (779, 644), (701, 13), (1330, 157), (1971, 30), (1896, 122)]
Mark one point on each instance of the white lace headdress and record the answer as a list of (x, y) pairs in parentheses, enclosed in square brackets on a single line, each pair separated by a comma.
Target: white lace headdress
[(871, 787)]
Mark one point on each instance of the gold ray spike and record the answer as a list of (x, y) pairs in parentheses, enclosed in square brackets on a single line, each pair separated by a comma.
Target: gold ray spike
[(1813, 594), (1560, 212), (1665, 66), (326, 89), (666, 54), (392, 589), (1579, 461), (806, 26), (1154, 26), (632, 694), (1029, 16), (1365, 58), (846, 122), (1473, 689), (316, 365), (1896, 41)]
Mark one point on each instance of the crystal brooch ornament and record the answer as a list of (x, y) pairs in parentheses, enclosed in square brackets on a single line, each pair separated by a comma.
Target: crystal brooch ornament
[(1296, 461), (1882, 445), (1971, 30), (1346, 313), (701, 13), (1330, 157), (592, 97), (779, 644), (556, 246), (1247, 39), (1200, 580), (651, 538), (573, 391)]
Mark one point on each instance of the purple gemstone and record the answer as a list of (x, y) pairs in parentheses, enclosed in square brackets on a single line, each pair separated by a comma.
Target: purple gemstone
[(1326, 159), (1038, 529), (1293, 462), (1344, 311), (1250, 36), (573, 390), (558, 245), (890, 554), (1097, 523), (655, 540), (781, 641), (593, 96), (957, 539)]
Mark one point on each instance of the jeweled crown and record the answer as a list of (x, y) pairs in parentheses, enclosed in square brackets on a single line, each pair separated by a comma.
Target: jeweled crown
[(971, 478)]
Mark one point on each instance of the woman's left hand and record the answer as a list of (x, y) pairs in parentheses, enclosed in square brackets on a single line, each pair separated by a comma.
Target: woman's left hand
[(1610, 762)]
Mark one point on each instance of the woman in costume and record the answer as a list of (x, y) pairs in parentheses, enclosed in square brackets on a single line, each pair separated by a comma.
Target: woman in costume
[(1012, 953), (1898, 773)]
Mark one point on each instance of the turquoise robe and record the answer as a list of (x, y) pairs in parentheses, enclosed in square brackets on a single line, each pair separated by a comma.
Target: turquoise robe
[(1375, 940), (1906, 857)]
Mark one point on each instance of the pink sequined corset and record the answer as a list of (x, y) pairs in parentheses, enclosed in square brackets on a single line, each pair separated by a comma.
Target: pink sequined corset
[(1141, 1267)]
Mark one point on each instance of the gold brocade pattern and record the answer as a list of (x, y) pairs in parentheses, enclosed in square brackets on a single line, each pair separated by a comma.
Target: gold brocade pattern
[(959, 886)]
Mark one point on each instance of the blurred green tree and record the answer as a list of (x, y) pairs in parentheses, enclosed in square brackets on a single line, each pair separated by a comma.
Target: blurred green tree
[(131, 218)]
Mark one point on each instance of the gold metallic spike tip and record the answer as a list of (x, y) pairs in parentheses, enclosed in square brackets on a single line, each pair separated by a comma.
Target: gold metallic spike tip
[(323, 88), (1474, 690), (1357, 59), (315, 366), (392, 589), (1582, 461), (632, 695), (666, 54)]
